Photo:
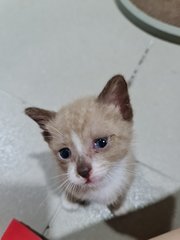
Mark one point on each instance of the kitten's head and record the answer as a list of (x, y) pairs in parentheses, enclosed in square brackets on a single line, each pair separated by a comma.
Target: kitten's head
[(91, 135)]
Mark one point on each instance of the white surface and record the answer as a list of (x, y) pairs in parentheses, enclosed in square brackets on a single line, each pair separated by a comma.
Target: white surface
[(156, 100), (23, 191), (54, 51)]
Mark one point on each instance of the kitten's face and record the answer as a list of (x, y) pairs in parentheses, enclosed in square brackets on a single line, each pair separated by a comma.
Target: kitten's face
[(90, 136)]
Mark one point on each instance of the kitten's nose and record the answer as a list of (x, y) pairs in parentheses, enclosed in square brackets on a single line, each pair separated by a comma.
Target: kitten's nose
[(83, 170)]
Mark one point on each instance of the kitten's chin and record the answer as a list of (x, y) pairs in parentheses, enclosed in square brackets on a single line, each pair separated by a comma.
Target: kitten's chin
[(89, 183)]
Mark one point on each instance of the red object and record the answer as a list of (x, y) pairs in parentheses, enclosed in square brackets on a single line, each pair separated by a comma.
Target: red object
[(18, 231)]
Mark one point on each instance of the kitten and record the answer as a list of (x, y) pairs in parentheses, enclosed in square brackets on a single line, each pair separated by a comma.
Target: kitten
[(91, 139)]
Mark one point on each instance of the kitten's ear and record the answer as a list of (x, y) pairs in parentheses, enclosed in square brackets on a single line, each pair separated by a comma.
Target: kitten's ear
[(41, 116), (116, 92)]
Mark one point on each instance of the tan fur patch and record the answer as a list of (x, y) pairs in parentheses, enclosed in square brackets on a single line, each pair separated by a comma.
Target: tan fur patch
[(91, 120), (76, 126)]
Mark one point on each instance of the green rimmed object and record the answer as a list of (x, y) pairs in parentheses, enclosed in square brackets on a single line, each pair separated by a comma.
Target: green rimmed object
[(149, 24)]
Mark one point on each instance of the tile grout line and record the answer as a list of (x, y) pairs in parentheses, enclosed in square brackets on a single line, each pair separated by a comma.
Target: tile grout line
[(140, 62), (24, 102), (130, 81), (52, 218)]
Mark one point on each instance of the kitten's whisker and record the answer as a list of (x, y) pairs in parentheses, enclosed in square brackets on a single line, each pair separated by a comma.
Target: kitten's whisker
[(73, 188), (55, 187), (135, 174), (101, 170), (54, 136), (44, 200), (56, 130), (69, 187), (61, 186), (59, 176), (78, 188), (42, 203), (108, 163), (109, 177), (130, 170), (52, 183)]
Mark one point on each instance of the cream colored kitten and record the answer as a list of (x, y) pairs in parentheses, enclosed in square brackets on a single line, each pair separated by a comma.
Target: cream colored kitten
[(91, 139)]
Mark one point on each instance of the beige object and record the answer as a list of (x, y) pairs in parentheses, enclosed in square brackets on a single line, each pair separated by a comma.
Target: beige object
[(173, 235), (163, 10)]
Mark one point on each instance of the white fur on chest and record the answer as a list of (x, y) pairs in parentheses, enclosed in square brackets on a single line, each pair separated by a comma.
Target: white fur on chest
[(112, 187)]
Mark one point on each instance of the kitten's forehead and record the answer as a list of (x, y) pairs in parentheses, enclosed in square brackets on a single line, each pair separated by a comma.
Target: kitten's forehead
[(75, 116), (86, 118), (77, 142)]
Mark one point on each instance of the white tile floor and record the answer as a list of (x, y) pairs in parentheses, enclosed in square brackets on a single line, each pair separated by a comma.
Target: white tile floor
[(157, 107), (55, 51)]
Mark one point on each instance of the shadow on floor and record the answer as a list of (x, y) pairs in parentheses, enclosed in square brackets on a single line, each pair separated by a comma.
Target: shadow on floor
[(51, 170), (23, 202), (147, 222), (142, 224)]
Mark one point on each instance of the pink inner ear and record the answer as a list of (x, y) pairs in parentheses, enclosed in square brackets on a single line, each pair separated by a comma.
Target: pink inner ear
[(113, 98), (40, 116), (116, 92)]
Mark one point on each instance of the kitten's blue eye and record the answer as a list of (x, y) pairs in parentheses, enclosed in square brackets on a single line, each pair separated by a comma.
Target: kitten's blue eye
[(100, 142), (65, 153)]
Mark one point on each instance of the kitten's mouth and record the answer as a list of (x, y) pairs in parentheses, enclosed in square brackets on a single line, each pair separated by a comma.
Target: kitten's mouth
[(88, 181), (92, 181)]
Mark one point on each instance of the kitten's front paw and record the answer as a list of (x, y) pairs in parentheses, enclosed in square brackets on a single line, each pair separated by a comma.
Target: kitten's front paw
[(119, 212), (116, 208), (68, 205)]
